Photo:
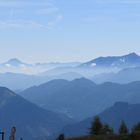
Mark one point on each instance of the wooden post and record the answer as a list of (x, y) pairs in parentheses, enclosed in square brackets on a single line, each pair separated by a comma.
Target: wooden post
[(12, 135)]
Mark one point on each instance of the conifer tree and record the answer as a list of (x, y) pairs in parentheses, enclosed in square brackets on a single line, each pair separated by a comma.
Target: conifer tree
[(96, 128), (123, 130), (136, 129), (106, 130), (61, 137)]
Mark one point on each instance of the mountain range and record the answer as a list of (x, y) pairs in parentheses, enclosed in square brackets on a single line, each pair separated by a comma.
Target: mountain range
[(110, 62), (99, 65), (56, 94), (129, 60), (81, 98), (31, 121), (18, 75), (120, 111)]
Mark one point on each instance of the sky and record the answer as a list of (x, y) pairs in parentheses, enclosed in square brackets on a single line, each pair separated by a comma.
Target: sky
[(68, 30)]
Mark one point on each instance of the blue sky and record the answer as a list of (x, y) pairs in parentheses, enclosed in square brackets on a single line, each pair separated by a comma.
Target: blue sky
[(68, 30)]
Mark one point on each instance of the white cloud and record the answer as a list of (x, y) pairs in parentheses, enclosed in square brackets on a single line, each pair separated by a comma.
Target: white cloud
[(27, 24), (29, 14), (7, 65), (18, 24)]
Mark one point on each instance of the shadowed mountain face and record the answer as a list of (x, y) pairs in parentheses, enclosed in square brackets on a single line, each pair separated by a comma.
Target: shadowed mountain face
[(40, 93), (81, 98), (130, 113), (31, 121), (63, 96)]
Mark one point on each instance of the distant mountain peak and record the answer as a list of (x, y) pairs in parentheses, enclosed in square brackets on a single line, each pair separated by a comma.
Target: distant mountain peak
[(14, 61), (83, 81), (133, 54), (117, 62)]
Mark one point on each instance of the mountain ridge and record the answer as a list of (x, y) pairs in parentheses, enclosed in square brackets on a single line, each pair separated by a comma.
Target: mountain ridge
[(103, 64), (31, 121), (114, 60), (81, 98), (114, 115)]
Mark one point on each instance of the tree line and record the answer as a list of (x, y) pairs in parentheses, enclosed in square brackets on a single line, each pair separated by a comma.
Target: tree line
[(101, 131)]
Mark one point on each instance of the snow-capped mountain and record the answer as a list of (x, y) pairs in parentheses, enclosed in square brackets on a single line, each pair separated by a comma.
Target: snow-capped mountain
[(101, 65), (14, 65), (90, 68), (14, 62), (130, 60)]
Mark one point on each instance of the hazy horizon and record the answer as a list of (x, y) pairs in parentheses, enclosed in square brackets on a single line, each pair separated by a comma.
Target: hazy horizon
[(22, 60)]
